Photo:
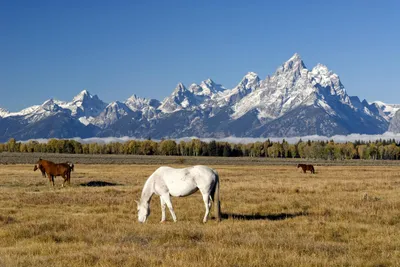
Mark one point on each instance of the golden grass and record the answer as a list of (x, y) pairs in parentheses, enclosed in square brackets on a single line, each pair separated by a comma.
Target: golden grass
[(275, 216)]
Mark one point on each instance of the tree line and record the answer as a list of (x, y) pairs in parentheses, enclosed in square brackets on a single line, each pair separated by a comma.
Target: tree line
[(329, 150)]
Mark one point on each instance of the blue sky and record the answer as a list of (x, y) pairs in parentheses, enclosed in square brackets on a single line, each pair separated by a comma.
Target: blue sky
[(55, 49)]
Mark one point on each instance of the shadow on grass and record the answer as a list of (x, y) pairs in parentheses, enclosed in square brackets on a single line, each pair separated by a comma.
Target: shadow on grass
[(99, 184), (271, 217)]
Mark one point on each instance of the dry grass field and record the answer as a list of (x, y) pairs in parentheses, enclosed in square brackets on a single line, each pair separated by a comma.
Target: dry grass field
[(273, 216)]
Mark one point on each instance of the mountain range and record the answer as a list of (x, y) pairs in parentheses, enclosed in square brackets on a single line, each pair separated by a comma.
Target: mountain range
[(294, 101)]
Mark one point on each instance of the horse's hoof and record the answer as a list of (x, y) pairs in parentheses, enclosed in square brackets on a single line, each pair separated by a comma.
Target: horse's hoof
[(162, 222)]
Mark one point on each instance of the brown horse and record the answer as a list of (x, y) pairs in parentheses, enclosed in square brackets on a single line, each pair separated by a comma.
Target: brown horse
[(52, 170), (306, 167)]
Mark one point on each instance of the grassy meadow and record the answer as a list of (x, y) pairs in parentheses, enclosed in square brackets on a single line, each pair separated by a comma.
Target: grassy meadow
[(273, 216)]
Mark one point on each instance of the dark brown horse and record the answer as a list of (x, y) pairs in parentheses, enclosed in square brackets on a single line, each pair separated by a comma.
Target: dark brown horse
[(52, 170), (306, 167)]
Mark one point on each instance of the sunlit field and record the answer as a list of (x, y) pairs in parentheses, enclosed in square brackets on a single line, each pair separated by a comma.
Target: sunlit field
[(272, 216)]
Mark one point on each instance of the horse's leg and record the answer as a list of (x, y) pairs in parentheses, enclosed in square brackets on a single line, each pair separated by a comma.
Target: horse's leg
[(207, 203), (51, 181), (167, 199), (65, 179), (162, 209)]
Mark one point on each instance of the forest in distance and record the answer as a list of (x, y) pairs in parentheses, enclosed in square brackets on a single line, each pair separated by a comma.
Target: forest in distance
[(327, 150)]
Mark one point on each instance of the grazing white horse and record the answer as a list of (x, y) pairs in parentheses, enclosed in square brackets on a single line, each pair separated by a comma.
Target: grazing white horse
[(167, 181)]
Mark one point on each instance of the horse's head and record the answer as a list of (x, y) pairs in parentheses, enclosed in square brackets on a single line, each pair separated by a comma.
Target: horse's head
[(39, 166), (143, 211), (71, 165)]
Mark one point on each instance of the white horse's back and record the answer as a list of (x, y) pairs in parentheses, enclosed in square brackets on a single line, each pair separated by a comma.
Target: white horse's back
[(185, 181)]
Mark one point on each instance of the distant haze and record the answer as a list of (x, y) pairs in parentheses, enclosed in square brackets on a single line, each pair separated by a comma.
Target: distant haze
[(246, 140)]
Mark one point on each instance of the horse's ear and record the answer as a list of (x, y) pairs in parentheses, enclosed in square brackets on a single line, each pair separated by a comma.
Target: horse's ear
[(137, 202)]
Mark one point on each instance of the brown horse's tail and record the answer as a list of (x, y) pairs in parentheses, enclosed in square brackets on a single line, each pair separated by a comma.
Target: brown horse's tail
[(215, 198), (313, 170)]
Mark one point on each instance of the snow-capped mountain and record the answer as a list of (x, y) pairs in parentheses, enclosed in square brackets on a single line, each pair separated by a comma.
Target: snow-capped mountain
[(37, 112), (191, 98), (136, 103), (180, 98), (206, 88), (84, 105), (297, 101), (386, 110), (147, 107), (112, 113), (394, 126), (294, 101), (3, 112), (293, 85), (248, 84), (48, 108)]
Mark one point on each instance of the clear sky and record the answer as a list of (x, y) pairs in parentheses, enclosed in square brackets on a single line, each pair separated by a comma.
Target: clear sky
[(55, 49)]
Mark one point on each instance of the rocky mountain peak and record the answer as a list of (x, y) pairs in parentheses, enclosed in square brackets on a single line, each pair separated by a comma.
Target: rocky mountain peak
[(82, 96), (294, 64), (394, 126), (3, 112), (50, 105), (180, 88), (294, 101), (249, 82), (136, 103)]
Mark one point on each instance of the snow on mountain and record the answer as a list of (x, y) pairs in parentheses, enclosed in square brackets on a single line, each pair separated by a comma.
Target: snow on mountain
[(293, 85), (37, 112), (322, 76), (84, 105), (248, 84), (136, 103), (194, 97), (148, 107), (3, 112), (292, 102), (86, 120), (388, 110), (208, 88), (25, 111), (286, 89), (188, 99), (112, 113), (179, 99), (394, 126), (48, 108)]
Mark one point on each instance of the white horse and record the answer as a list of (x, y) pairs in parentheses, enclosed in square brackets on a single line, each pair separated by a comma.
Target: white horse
[(167, 181)]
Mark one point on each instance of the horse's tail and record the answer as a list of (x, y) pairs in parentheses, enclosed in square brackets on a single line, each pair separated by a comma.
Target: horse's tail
[(312, 168), (215, 196)]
